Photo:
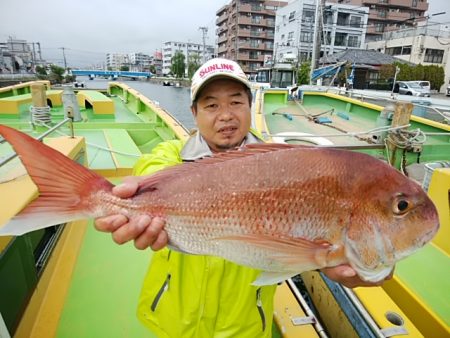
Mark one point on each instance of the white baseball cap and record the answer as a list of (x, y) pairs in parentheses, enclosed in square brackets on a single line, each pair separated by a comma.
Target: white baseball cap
[(217, 68)]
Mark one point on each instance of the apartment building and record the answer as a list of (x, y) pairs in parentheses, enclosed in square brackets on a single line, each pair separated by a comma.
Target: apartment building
[(426, 45), (188, 49), (343, 28), (390, 15), (115, 60), (245, 32), (139, 62)]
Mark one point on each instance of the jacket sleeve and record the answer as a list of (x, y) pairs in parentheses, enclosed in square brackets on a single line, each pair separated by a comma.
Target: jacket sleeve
[(165, 154)]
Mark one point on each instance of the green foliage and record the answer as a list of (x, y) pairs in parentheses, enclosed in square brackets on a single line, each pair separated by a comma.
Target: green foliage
[(387, 72), (152, 69), (41, 73), (124, 68), (193, 64), (303, 73), (178, 65), (56, 74), (433, 73)]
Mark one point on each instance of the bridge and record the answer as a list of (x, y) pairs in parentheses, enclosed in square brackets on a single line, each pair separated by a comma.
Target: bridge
[(112, 73)]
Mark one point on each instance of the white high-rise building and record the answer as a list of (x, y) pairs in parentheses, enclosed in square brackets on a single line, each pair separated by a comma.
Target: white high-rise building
[(344, 27), (188, 49)]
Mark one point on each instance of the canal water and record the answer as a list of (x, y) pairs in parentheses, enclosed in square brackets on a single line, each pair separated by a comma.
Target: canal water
[(176, 100)]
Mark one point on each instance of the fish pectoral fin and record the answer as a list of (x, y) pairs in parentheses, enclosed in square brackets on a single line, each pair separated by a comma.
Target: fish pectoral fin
[(270, 278), (294, 253)]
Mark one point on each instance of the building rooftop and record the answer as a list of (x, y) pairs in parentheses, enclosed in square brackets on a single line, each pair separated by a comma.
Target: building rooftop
[(361, 56)]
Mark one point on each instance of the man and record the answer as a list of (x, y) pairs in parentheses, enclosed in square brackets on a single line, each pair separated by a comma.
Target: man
[(198, 296)]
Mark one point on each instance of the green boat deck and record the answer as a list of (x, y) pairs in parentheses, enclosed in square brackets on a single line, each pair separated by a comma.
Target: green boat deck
[(104, 290)]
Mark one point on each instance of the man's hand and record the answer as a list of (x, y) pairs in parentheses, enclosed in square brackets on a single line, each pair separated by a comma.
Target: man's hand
[(346, 275), (144, 230)]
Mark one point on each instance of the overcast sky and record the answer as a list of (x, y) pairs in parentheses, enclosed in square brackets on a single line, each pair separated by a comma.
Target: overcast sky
[(91, 28)]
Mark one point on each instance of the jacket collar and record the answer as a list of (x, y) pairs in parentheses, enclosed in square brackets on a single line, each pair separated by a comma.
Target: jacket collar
[(196, 147)]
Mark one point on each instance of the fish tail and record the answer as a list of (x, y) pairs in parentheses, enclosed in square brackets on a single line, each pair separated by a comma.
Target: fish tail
[(64, 185)]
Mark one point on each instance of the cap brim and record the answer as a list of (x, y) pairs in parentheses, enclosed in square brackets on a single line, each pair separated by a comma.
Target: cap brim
[(218, 77)]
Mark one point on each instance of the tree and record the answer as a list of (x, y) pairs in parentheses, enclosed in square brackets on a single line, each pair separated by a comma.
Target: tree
[(178, 64), (153, 69), (193, 64), (124, 68), (56, 73), (387, 71), (41, 72), (303, 73)]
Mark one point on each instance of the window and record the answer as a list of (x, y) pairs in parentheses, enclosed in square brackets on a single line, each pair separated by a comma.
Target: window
[(353, 41), (306, 36), (340, 39), (291, 36), (382, 13), (355, 21), (434, 55), (379, 27), (342, 19), (414, 3), (308, 16), (291, 16)]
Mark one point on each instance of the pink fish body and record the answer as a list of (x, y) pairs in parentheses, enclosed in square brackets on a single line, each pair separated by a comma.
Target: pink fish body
[(279, 208)]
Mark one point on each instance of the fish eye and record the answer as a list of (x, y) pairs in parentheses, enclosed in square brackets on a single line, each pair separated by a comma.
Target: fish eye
[(401, 205)]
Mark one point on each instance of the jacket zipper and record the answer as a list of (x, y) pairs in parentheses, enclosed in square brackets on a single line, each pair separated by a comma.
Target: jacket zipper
[(260, 308), (163, 289)]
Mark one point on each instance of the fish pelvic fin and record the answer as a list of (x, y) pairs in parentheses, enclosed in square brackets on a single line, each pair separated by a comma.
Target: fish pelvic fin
[(293, 254), (64, 185), (270, 278)]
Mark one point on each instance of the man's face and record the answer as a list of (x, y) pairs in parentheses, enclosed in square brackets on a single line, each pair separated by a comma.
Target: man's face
[(223, 114)]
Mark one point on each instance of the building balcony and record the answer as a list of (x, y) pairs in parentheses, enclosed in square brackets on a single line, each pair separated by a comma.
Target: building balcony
[(221, 19), (222, 10), (243, 20), (372, 30), (222, 39), (248, 8), (251, 58), (222, 49), (259, 46)]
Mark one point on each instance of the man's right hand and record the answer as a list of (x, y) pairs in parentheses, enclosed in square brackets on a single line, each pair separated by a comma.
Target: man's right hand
[(144, 230)]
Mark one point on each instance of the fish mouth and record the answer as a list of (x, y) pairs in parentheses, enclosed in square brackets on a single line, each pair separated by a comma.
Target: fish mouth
[(368, 274)]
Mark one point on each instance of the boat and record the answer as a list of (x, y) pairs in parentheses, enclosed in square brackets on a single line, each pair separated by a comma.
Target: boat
[(415, 302), (72, 281)]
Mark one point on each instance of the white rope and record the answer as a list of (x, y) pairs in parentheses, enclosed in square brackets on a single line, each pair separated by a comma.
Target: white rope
[(40, 115)]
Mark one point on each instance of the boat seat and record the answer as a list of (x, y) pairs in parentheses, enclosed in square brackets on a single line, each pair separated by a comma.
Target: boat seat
[(101, 104), (16, 104)]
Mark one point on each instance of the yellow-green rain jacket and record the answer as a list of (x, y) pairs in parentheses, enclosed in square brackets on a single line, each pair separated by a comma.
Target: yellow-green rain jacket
[(199, 296)]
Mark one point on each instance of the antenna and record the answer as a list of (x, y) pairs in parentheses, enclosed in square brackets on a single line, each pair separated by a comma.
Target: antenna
[(204, 30), (64, 56)]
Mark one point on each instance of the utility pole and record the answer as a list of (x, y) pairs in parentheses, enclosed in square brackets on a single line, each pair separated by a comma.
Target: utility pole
[(204, 30), (320, 4), (39, 50), (64, 56)]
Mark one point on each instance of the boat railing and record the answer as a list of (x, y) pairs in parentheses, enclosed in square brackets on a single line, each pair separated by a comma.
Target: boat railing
[(41, 137), (361, 96)]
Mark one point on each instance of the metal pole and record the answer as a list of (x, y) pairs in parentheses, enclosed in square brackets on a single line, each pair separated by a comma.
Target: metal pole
[(64, 56), (39, 138), (317, 37)]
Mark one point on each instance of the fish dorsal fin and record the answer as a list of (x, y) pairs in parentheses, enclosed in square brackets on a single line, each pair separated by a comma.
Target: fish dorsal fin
[(149, 183)]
